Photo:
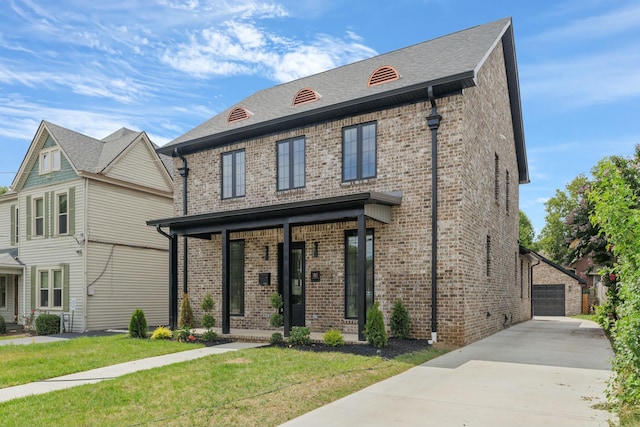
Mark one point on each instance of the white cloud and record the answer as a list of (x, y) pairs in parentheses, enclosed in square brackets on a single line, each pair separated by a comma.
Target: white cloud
[(542, 200)]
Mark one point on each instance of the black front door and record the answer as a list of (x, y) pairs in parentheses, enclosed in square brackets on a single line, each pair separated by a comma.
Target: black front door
[(297, 296)]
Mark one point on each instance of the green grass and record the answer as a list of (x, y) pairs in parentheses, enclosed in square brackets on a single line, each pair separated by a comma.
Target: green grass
[(33, 362), (591, 317), (256, 387)]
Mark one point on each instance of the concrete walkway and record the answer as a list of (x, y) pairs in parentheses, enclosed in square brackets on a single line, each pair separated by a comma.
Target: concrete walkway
[(545, 372), (109, 372)]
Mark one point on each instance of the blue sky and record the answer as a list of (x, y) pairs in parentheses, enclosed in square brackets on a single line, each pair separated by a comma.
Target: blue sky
[(165, 66)]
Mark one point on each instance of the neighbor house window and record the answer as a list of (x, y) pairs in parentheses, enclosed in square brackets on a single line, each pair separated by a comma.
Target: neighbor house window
[(233, 174), (50, 286), (291, 163), (496, 178), (506, 189), (488, 256), (359, 152), (38, 218), (351, 272), (63, 214), (49, 160), (236, 278), (3, 291)]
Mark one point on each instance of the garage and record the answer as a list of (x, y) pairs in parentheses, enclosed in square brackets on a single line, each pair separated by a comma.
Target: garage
[(548, 300)]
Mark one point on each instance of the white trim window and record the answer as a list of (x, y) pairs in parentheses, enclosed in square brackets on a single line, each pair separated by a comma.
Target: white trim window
[(62, 213), (38, 217), (49, 160), (3, 291), (50, 288)]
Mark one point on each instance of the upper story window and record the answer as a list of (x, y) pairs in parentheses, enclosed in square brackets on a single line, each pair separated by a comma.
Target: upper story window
[(63, 213), (233, 174), (496, 177), (49, 160), (291, 163), (38, 217), (359, 152)]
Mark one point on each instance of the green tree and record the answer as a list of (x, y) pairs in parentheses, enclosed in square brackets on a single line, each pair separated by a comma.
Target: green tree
[(615, 197), (3, 189), (554, 236), (526, 233)]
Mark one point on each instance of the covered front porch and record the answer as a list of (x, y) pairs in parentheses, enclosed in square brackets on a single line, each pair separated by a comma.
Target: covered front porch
[(11, 286), (356, 208)]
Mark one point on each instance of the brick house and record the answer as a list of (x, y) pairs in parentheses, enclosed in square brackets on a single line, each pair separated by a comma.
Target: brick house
[(556, 290), (391, 178)]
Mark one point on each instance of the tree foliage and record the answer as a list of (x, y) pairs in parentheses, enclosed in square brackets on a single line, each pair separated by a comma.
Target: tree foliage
[(3, 189), (526, 233), (615, 197), (556, 232)]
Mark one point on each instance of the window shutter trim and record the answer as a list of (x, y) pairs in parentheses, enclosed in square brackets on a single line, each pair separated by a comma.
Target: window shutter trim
[(65, 287), (13, 226), (71, 211)]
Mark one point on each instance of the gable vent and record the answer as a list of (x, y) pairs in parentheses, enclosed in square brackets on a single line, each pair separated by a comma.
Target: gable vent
[(305, 95), (383, 74), (238, 114)]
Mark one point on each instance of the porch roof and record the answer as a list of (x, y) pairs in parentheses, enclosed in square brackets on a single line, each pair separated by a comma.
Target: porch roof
[(9, 262), (332, 209)]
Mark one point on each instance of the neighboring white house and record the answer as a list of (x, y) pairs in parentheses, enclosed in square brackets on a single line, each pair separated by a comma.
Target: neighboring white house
[(73, 233)]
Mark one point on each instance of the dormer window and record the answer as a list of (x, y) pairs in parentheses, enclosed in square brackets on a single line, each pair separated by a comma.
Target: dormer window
[(49, 160)]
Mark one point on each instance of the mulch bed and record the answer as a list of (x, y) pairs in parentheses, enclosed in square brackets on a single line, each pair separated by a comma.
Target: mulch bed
[(395, 348)]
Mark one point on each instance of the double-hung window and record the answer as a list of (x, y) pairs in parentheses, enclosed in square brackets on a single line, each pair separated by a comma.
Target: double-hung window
[(50, 286), (359, 152), (63, 213), (49, 160), (291, 163), (236, 278), (38, 218), (233, 174), (3, 291), (351, 272)]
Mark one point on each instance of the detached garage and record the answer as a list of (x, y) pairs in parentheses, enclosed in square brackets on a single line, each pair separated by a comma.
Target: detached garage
[(556, 291)]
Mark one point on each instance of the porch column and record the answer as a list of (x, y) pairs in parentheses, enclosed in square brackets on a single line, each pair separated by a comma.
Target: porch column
[(286, 276), (226, 283), (362, 276), (173, 281)]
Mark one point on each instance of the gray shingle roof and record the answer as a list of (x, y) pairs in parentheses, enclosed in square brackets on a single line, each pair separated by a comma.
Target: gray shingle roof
[(8, 258), (438, 62)]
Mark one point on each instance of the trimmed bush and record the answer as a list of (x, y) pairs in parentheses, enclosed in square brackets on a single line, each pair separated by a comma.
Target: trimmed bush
[(3, 326), (276, 338), (183, 335), (400, 321), (209, 336), (208, 321), (374, 328), (47, 324), (276, 320), (185, 318), (334, 338), (299, 336), (162, 333), (138, 324)]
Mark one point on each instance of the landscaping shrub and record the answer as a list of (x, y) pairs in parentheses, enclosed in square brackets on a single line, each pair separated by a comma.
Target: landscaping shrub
[(400, 321), (276, 338), (374, 328), (209, 336), (47, 324), (208, 321), (334, 338), (3, 326), (299, 336), (161, 333), (276, 320), (184, 335), (137, 324), (185, 318)]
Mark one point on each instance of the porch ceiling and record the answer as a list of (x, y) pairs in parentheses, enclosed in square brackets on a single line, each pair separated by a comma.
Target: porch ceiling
[(332, 209)]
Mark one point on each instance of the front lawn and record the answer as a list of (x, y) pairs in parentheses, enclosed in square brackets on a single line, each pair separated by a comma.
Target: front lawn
[(22, 364), (256, 387)]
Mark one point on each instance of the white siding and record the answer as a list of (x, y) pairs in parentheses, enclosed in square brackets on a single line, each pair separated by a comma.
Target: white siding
[(5, 221), (124, 278), (140, 165)]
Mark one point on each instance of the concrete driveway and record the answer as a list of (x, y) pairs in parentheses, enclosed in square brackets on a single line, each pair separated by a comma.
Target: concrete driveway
[(549, 371)]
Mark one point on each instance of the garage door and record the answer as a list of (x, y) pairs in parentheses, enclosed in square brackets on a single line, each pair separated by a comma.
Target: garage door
[(548, 300)]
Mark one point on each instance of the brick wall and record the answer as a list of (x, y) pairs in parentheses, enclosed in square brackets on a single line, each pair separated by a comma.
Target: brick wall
[(545, 274), (475, 126)]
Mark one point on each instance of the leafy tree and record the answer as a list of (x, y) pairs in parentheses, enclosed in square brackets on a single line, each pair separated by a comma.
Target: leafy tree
[(185, 316), (555, 233), (615, 197), (3, 189), (526, 233)]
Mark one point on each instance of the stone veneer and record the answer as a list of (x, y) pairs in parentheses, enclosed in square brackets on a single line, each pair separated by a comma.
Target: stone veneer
[(476, 126)]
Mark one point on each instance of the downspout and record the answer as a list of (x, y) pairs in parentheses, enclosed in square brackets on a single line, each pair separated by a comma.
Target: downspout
[(531, 285), (173, 285), (433, 121), (24, 295), (184, 173)]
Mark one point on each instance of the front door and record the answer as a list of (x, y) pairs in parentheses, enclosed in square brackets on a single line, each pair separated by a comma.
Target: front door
[(297, 295)]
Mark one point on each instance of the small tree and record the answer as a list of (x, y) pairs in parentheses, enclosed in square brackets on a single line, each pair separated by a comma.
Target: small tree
[(400, 321), (276, 319), (185, 318), (374, 328), (208, 321), (138, 324)]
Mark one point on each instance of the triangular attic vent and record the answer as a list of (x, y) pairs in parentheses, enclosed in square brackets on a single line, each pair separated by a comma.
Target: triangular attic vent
[(237, 114), (383, 74), (305, 95)]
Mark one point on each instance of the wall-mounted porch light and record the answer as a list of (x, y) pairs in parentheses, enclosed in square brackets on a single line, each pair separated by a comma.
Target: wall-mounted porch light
[(266, 253), (315, 249)]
